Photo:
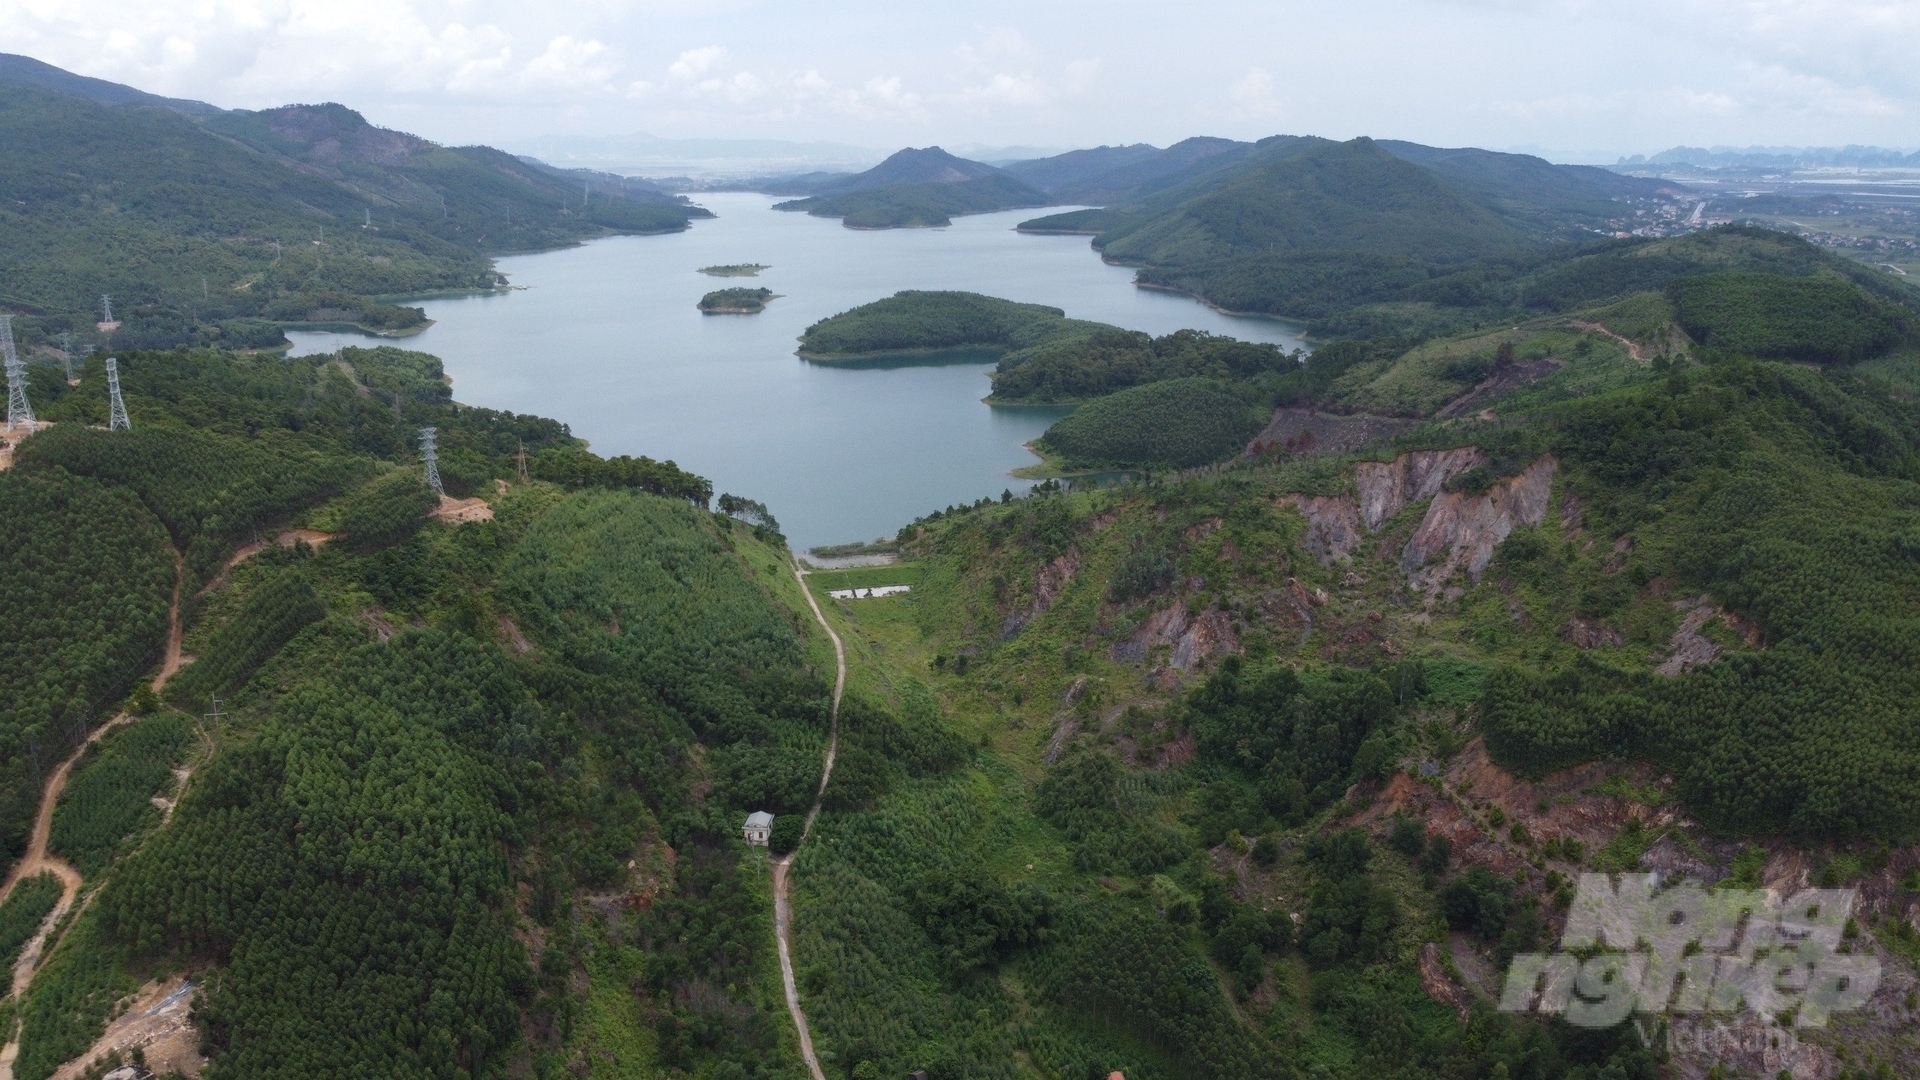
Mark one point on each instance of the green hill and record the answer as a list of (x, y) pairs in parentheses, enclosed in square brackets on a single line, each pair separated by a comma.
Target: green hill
[(1348, 197), (917, 206), (203, 224), (1042, 356), (924, 321), (1173, 423)]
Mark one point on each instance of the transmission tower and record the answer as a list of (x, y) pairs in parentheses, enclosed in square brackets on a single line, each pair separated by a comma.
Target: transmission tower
[(106, 308), (66, 352), (523, 461), (431, 460), (18, 410), (116, 408)]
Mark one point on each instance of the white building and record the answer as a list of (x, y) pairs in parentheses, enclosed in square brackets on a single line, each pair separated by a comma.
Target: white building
[(758, 827)]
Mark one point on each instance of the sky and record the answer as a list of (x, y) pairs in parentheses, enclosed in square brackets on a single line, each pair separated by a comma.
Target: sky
[(1575, 80)]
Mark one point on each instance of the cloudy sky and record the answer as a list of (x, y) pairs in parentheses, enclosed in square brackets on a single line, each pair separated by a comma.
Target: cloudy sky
[(1576, 79)]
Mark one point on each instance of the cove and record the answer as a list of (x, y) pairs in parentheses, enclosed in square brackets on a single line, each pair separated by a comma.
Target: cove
[(606, 338)]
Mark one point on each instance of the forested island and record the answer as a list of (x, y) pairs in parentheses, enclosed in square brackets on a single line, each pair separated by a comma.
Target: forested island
[(735, 270), (1043, 356), (736, 301)]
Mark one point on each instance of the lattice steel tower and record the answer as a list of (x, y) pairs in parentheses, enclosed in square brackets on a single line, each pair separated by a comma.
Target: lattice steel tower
[(116, 408), (431, 460), (106, 308), (18, 410)]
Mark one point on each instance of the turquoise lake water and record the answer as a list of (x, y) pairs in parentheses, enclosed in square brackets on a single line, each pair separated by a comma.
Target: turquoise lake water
[(605, 337)]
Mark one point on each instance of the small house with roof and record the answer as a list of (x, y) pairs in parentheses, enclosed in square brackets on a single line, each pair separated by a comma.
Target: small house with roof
[(758, 828)]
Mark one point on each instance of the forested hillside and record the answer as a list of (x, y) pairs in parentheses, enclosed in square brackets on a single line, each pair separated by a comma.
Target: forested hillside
[(1343, 725), (430, 753), (1264, 760), (214, 227)]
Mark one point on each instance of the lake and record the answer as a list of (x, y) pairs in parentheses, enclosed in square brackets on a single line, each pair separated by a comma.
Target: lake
[(605, 337)]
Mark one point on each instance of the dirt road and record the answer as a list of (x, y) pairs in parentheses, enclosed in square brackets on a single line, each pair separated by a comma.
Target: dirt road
[(1633, 347), (782, 911), (38, 860)]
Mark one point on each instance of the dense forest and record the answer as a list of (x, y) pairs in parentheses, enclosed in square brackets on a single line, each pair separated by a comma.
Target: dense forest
[(1174, 423), (212, 227)]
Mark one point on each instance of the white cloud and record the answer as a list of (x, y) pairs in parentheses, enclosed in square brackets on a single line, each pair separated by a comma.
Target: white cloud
[(1636, 74), (695, 62), (1253, 95)]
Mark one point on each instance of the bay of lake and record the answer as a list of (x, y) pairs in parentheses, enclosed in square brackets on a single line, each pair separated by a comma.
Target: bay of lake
[(605, 337)]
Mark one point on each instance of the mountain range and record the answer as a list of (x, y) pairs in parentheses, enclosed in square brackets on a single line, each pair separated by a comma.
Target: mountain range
[(210, 224)]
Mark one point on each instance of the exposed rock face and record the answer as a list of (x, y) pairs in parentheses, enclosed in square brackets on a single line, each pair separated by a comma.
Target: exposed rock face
[(1463, 528), (1194, 639), (1047, 585), (1333, 526), (1466, 528), (1386, 488), (1690, 647)]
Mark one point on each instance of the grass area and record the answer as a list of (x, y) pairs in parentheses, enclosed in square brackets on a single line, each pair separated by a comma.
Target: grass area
[(862, 577)]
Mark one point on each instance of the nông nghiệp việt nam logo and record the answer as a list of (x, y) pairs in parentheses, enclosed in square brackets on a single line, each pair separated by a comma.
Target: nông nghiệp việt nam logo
[(1632, 947)]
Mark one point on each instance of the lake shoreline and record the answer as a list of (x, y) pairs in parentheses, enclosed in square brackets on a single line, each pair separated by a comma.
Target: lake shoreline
[(606, 336)]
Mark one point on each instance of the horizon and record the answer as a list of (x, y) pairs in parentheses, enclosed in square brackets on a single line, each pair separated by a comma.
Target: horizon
[(1508, 76)]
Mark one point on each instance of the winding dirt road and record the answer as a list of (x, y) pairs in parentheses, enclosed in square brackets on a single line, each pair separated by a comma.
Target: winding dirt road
[(1633, 347), (38, 860), (782, 911)]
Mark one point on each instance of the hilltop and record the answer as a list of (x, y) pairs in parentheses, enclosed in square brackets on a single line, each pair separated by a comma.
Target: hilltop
[(1312, 229), (916, 189), (218, 226)]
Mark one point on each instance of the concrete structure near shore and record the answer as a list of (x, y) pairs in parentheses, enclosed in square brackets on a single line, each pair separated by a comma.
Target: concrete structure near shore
[(869, 593)]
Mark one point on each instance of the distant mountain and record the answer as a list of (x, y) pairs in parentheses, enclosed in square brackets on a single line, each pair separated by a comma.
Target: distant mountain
[(1776, 157), (917, 189), (1307, 227), (203, 223), (1075, 167), (26, 71), (1110, 174), (1528, 191), (1352, 196), (929, 166)]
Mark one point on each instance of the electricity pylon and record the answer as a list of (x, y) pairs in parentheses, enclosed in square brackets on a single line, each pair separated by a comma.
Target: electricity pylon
[(431, 460), (116, 408), (18, 410)]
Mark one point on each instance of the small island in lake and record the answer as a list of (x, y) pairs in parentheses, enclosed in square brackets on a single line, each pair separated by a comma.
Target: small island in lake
[(736, 301), (735, 270)]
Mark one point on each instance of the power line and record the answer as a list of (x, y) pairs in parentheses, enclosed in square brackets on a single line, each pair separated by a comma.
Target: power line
[(116, 408)]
